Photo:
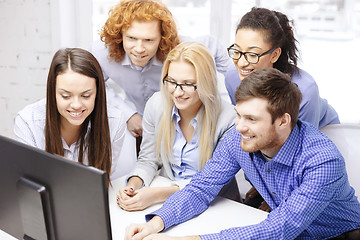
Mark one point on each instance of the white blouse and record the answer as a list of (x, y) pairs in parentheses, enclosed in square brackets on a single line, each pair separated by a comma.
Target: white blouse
[(30, 129)]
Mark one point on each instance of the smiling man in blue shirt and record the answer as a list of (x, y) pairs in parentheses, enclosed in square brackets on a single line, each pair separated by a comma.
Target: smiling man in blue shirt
[(297, 170)]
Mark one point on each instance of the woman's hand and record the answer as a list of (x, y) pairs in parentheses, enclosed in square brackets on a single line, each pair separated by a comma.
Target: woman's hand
[(136, 200)]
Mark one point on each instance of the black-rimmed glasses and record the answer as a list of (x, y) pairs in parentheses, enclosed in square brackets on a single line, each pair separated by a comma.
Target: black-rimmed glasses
[(251, 57), (186, 87)]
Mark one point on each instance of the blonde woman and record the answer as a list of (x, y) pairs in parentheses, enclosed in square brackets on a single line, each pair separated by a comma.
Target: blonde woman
[(182, 125)]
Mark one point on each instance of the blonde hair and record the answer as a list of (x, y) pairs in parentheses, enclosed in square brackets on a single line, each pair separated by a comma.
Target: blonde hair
[(125, 13), (197, 55)]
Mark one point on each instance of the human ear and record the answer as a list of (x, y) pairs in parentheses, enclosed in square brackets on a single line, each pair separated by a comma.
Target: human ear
[(275, 55), (285, 120)]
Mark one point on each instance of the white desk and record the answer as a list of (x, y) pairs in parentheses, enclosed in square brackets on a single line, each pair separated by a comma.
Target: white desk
[(221, 214)]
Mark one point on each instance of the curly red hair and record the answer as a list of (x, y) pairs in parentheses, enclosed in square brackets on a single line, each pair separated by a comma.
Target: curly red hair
[(121, 17)]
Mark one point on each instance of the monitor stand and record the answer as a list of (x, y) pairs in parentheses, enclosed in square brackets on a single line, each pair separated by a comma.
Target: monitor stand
[(35, 210)]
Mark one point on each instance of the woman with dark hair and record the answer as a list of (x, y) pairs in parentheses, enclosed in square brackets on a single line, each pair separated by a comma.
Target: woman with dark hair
[(265, 39), (74, 120)]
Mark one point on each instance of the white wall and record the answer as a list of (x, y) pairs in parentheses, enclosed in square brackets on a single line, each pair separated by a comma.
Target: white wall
[(31, 32)]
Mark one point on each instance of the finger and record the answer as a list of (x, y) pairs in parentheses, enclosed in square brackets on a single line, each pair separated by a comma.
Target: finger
[(130, 231), (135, 134)]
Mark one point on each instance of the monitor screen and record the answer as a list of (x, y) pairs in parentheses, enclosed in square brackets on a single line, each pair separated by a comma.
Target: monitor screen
[(44, 196)]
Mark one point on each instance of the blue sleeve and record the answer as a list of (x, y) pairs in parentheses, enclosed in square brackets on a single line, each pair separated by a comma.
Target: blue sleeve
[(298, 211), (217, 50), (203, 188), (232, 81), (311, 106)]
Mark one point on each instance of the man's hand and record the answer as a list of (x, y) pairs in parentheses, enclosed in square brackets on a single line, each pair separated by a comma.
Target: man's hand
[(162, 236), (140, 231), (134, 125)]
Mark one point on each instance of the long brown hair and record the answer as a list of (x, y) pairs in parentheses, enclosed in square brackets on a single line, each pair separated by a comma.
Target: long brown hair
[(97, 143)]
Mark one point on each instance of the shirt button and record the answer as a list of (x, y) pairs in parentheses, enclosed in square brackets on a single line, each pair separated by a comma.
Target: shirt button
[(274, 193), (268, 170)]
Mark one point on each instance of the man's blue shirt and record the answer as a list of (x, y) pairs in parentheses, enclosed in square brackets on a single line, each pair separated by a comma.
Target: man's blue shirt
[(305, 185), (313, 108)]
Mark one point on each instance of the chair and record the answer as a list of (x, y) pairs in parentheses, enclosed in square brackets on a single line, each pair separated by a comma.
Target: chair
[(347, 138)]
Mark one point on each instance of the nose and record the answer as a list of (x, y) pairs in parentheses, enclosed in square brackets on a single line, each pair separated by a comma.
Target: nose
[(241, 127), (139, 47), (178, 91), (76, 103), (242, 62)]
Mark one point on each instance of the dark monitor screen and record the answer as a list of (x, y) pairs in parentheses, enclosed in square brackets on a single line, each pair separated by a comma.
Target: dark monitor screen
[(43, 196)]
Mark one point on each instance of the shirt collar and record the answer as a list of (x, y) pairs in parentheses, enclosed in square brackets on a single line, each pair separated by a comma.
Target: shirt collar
[(75, 145), (153, 61), (176, 116), (286, 154)]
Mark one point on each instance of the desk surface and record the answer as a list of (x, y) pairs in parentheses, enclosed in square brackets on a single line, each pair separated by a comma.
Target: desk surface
[(221, 214)]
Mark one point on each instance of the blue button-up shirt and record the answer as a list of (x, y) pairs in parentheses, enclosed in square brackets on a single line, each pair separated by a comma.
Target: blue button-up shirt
[(305, 185), (185, 154)]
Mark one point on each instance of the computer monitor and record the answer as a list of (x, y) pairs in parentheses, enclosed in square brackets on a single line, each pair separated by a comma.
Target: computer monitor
[(43, 196)]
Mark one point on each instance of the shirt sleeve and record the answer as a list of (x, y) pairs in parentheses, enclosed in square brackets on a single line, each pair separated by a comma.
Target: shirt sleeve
[(117, 124), (217, 50), (232, 81), (147, 164), (23, 132), (297, 211), (114, 99), (202, 189), (311, 106)]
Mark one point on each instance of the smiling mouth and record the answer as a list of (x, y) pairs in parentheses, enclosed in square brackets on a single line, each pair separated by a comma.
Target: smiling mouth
[(139, 56), (246, 71), (76, 114), (246, 138)]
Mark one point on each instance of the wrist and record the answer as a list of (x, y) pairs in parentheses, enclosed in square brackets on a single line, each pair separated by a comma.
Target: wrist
[(163, 193), (135, 182), (157, 224)]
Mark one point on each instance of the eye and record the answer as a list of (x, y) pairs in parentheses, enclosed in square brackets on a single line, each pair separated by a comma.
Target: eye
[(86, 96), (65, 96), (252, 119), (251, 54)]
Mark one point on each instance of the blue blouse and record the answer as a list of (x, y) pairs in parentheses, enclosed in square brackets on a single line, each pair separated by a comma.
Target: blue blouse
[(185, 154)]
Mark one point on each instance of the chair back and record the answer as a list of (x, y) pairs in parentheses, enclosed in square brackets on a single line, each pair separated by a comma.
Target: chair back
[(347, 138)]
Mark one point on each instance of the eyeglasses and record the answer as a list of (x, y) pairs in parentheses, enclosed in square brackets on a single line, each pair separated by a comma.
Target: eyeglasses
[(171, 85), (250, 57)]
